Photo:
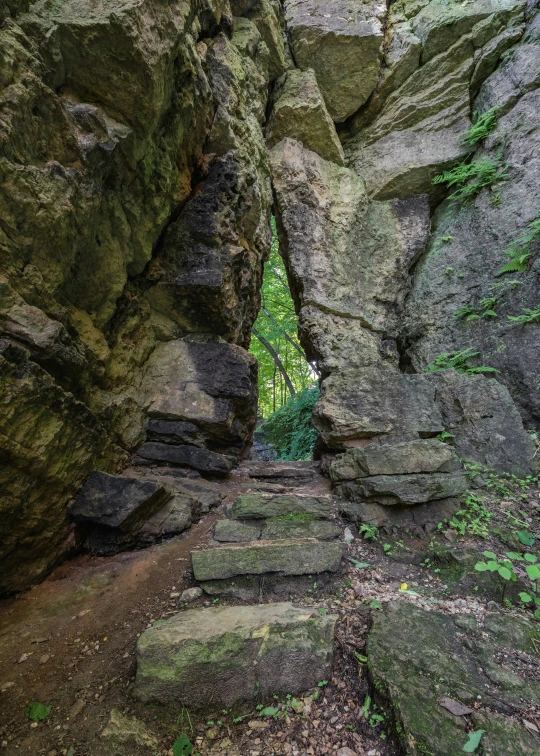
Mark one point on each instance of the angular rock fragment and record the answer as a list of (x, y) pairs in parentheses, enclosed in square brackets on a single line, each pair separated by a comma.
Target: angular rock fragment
[(218, 656), (117, 502), (299, 112), (422, 517), (404, 490), (422, 456), (171, 519), (288, 557), (259, 505), (341, 41)]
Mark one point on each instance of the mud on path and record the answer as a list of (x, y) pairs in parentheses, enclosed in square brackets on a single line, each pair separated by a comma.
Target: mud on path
[(72, 639)]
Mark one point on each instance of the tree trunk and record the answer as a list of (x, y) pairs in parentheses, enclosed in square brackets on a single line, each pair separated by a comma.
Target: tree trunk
[(266, 344)]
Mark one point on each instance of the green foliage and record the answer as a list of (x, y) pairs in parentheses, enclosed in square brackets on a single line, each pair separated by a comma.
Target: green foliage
[(445, 436), (370, 532), (521, 249), (37, 711), (482, 128), (296, 517), (182, 746), (509, 572), (484, 309), (529, 316), (289, 428), (470, 178), (278, 325), (473, 518), (459, 361)]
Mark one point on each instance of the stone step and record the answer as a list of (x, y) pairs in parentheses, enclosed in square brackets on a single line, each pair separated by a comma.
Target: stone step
[(403, 490), (235, 531), (287, 557), (256, 506), (222, 655), (286, 475)]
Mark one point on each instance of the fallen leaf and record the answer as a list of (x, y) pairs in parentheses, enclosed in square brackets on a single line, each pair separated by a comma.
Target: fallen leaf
[(474, 741), (530, 726), (455, 707)]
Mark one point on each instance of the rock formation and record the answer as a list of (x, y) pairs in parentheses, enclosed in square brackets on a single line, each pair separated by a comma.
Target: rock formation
[(142, 148)]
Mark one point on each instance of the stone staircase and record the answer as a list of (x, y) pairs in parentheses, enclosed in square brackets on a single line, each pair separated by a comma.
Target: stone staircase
[(278, 538)]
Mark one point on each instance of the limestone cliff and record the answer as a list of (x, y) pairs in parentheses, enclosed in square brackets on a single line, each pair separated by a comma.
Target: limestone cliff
[(139, 142)]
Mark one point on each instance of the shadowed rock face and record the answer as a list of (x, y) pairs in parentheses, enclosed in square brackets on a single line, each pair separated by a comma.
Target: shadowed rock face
[(134, 213), (135, 196)]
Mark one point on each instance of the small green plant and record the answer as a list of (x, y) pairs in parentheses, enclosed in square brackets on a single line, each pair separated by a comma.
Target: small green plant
[(528, 316), (474, 741), (183, 746), (37, 711), (445, 436), (370, 532), (481, 128), (521, 249), (506, 570), (473, 518), (470, 178), (459, 361), (484, 309), (448, 271)]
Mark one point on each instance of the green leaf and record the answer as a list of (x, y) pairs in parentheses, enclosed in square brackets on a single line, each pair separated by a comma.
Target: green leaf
[(531, 558), (490, 554), (533, 571), (37, 711), (537, 614), (269, 711), (375, 604), (493, 566), (525, 597), (182, 746), (505, 573), (367, 705), (514, 556), (481, 567), (474, 741), (525, 537), (359, 565), (362, 659)]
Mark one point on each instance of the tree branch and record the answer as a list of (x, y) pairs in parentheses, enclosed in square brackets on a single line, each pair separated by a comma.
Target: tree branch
[(266, 344)]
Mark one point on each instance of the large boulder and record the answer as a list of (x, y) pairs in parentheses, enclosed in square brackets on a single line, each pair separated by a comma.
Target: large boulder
[(298, 111), (341, 41), (215, 657), (442, 677)]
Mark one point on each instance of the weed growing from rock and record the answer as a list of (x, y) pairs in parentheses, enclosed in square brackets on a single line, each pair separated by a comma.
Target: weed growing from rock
[(459, 361), (528, 316), (482, 128), (521, 249), (470, 178)]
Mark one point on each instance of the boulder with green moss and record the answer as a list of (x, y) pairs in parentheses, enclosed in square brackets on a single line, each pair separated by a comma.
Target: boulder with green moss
[(218, 656), (419, 659), (258, 505)]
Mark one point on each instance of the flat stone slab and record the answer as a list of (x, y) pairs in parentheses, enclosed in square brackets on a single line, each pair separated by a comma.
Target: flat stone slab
[(419, 659), (232, 531), (119, 502), (421, 456), (218, 656), (270, 587), (190, 456), (256, 506), (288, 557), (405, 490), (280, 529)]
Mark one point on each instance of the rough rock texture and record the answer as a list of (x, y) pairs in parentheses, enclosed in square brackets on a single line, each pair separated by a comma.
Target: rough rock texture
[(287, 557), (437, 54), (403, 490), (135, 201), (341, 41), (416, 519), (223, 655), (423, 456), (463, 271), (298, 111), (416, 658), (257, 506)]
